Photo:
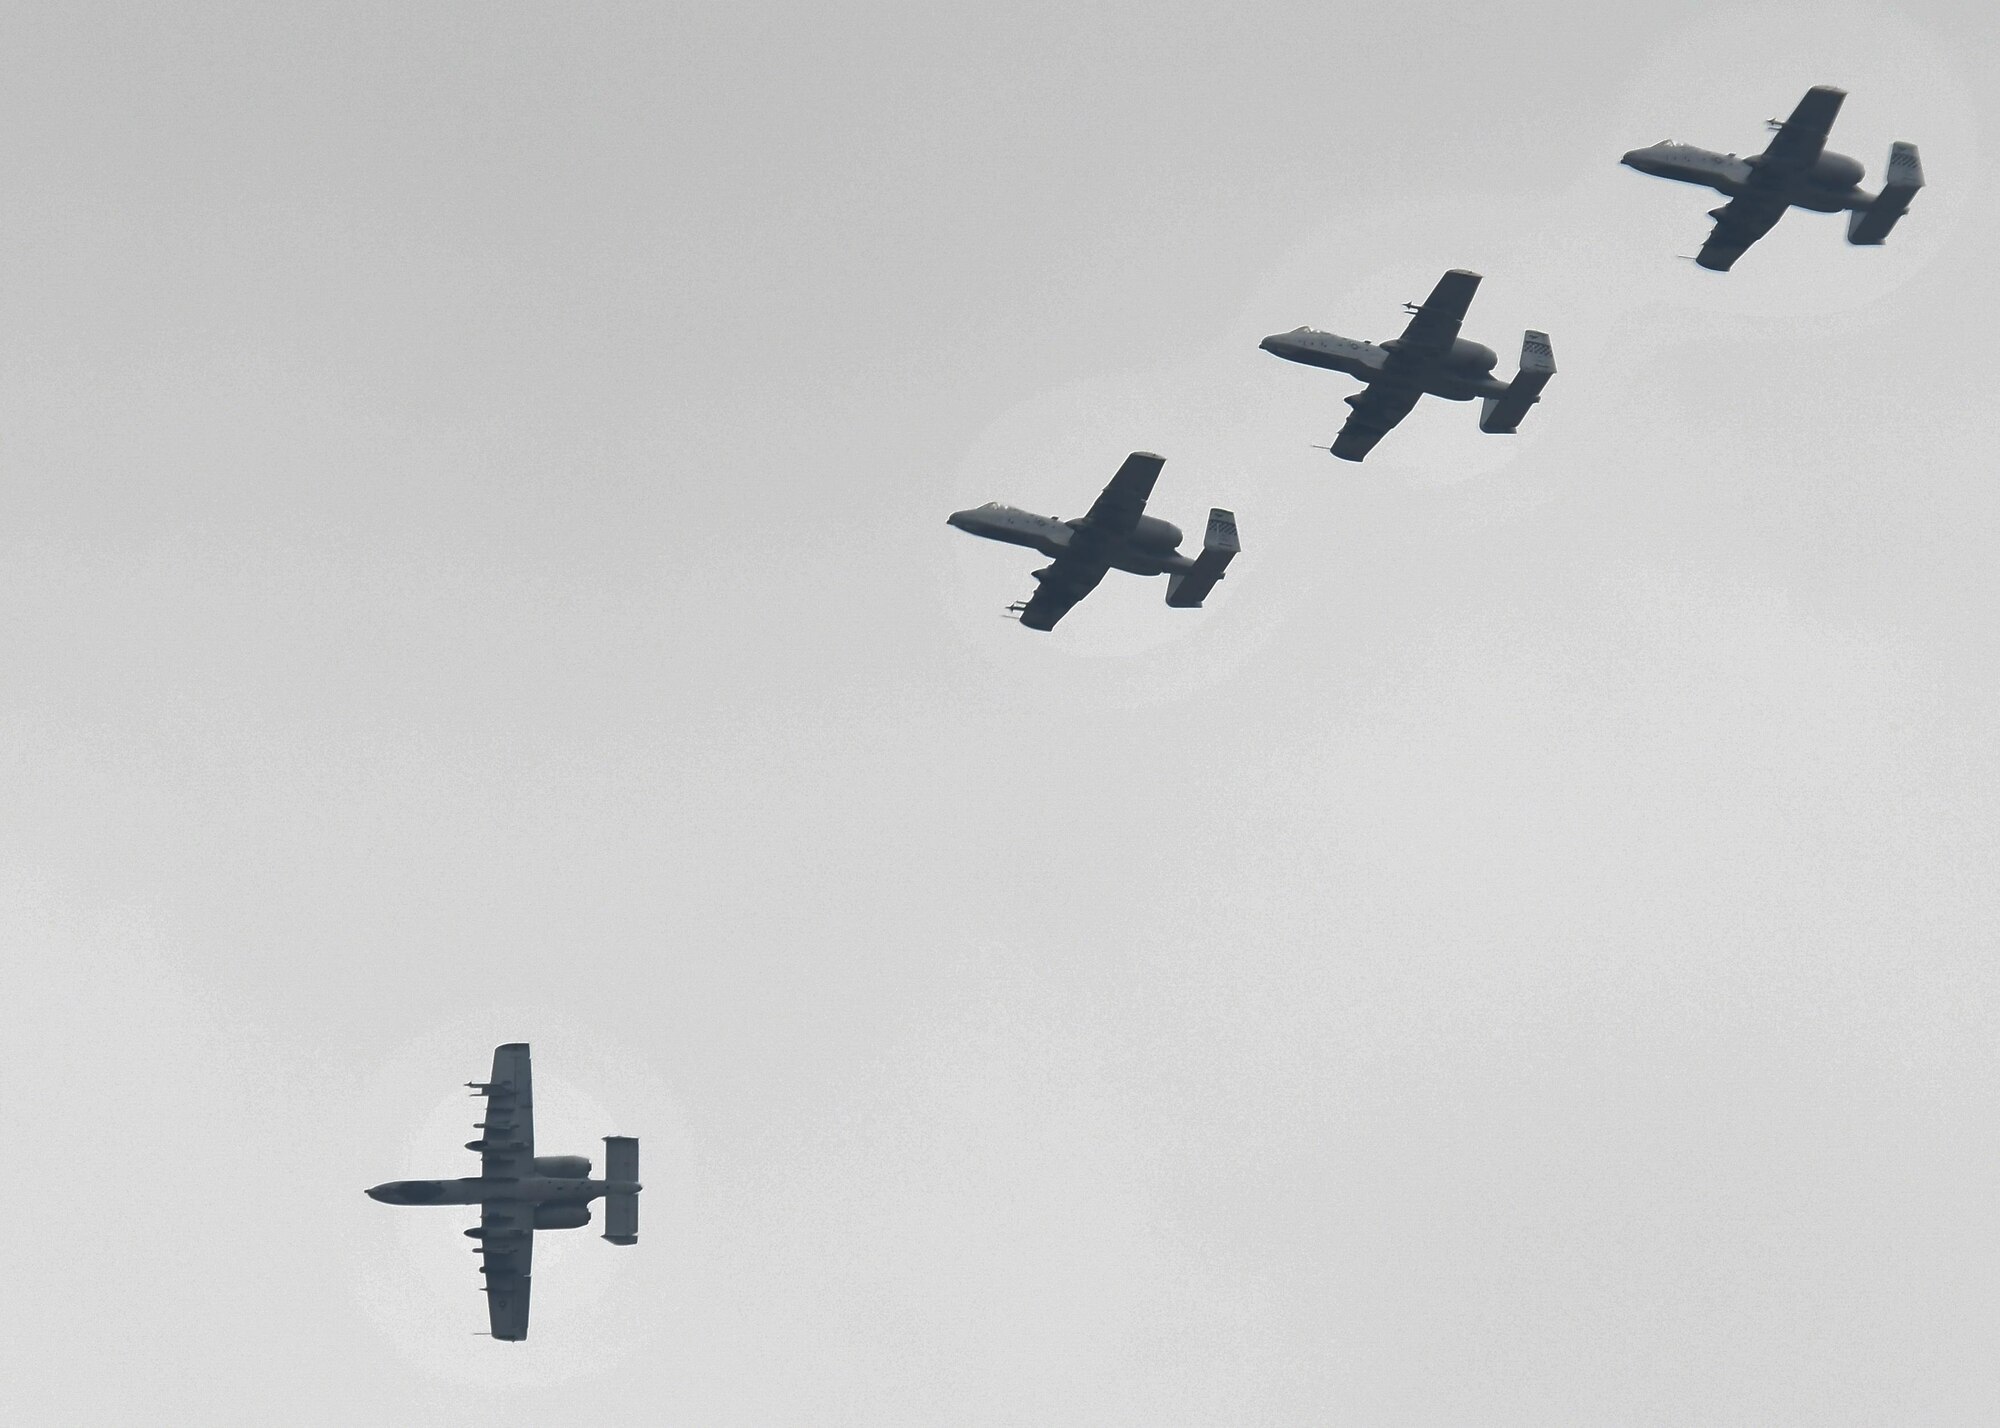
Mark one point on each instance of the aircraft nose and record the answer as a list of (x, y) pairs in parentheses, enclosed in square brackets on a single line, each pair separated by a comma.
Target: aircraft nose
[(957, 518), (382, 1192)]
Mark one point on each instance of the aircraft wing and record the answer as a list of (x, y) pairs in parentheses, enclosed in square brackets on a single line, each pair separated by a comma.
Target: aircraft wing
[(1738, 223), (508, 1249), (506, 1144), (1058, 588), (1377, 409), (1118, 508), (1799, 140), (1435, 325)]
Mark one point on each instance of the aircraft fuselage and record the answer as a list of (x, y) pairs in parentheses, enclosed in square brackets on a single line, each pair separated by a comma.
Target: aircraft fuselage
[(1830, 185), (1150, 550), (1455, 380), (477, 1190)]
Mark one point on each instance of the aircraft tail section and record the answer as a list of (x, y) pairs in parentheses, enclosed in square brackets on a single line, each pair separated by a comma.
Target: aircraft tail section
[(1502, 414), (621, 1207), (1870, 225), (1189, 588)]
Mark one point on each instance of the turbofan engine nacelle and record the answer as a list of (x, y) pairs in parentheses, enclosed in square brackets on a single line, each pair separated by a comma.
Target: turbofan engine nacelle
[(1835, 171), (1156, 534), (1470, 356), (563, 1167), (561, 1217)]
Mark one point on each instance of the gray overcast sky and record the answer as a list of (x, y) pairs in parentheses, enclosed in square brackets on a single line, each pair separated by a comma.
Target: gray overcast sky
[(472, 567)]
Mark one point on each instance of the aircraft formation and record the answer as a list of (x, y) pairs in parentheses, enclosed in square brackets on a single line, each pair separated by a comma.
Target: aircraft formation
[(1795, 170), (519, 1192)]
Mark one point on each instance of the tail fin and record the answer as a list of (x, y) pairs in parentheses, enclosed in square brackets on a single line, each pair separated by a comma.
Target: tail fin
[(621, 1206), (1870, 225), (1189, 588), (1502, 414)]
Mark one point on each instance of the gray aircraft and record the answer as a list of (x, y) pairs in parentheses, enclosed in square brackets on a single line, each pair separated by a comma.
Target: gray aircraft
[(1115, 533), (1794, 171), (519, 1192), (1430, 357)]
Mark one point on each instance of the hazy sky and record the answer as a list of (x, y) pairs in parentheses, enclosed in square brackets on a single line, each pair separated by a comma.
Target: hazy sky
[(473, 568)]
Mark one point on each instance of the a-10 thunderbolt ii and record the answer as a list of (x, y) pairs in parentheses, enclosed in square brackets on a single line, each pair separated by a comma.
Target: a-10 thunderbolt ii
[(1429, 358), (1114, 534), (1795, 171), (519, 1192)]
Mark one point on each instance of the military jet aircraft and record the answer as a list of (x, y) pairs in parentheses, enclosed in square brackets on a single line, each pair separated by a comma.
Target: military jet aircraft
[(1115, 533), (519, 1192), (1430, 357), (1794, 171)]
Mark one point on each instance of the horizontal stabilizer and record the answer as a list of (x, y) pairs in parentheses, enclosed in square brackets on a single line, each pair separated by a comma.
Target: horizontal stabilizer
[(1502, 414), (621, 1207), (1870, 225), (1187, 589)]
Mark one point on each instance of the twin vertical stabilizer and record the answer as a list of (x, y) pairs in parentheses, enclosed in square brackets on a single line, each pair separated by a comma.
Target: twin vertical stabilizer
[(621, 1207), (1502, 414), (1189, 588), (1869, 226)]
